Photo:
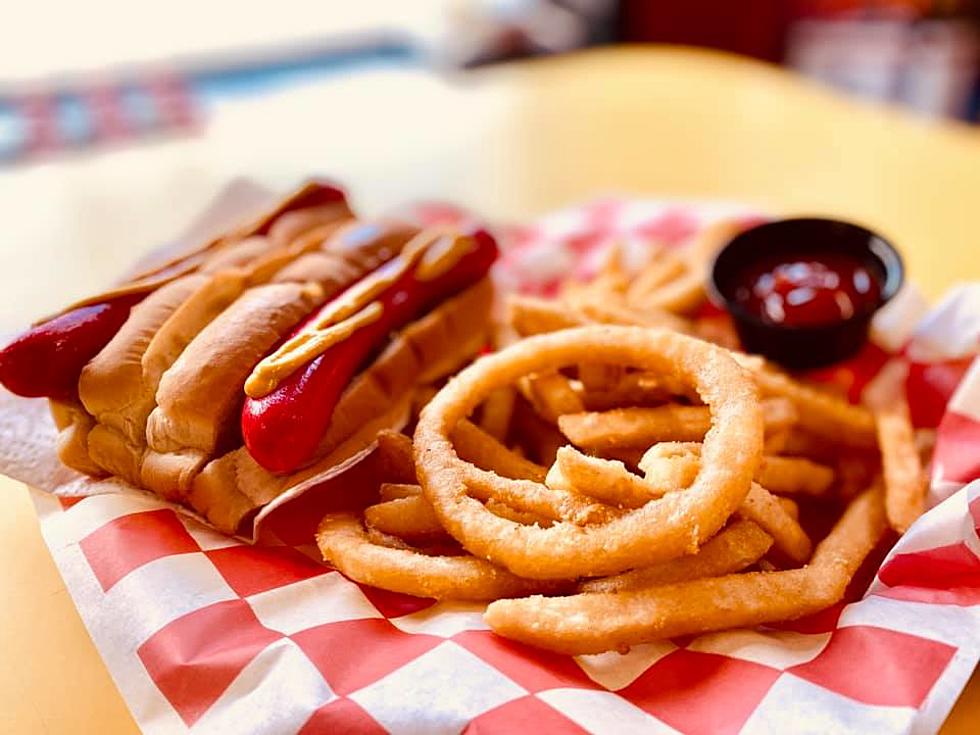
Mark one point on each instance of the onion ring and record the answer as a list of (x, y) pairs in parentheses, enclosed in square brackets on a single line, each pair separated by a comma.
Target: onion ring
[(730, 550), (666, 528), (346, 545), (597, 622)]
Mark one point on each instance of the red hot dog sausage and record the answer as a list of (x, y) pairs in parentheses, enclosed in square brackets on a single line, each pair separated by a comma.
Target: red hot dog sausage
[(283, 428)]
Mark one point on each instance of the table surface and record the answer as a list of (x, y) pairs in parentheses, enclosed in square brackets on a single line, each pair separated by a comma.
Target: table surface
[(510, 142)]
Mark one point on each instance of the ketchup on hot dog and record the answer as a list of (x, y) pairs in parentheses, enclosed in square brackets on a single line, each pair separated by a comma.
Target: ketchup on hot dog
[(46, 360), (290, 406)]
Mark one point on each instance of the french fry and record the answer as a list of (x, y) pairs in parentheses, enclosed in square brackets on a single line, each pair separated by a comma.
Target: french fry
[(731, 550), (551, 394), (822, 414), (764, 509), (641, 427), (635, 427), (905, 482), (503, 476), (346, 545), (518, 516), (497, 412), (686, 292), (607, 309), (676, 464), (598, 376), (855, 471), (777, 441), (539, 439), (794, 476), (596, 622), (799, 443), (602, 479), (408, 517), (780, 415), (480, 449), (530, 315), (631, 389), (488, 455), (612, 276), (791, 507), (663, 268), (395, 457), (396, 490), (925, 444), (378, 538)]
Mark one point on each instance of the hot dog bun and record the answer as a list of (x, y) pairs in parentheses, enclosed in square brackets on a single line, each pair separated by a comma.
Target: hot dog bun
[(161, 385), (230, 487), (74, 424)]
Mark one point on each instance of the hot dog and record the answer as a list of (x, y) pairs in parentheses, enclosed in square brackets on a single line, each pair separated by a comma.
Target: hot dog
[(332, 324), (47, 359), (292, 393)]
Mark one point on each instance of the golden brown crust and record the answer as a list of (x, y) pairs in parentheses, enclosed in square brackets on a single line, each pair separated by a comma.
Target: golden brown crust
[(112, 379)]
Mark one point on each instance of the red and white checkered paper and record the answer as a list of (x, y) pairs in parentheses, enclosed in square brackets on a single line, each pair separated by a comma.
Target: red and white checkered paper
[(204, 633)]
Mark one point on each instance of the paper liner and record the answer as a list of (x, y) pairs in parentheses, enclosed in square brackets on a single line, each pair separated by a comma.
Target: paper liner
[(206, 633)]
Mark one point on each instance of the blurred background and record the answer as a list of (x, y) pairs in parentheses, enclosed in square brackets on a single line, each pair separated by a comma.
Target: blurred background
[(119, 120), (110, 72)]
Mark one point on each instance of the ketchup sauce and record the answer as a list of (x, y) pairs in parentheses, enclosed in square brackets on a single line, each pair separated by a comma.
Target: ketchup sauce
[(808, 290)]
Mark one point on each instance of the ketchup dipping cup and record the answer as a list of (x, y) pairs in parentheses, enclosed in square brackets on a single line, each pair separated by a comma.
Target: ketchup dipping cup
[(802, 291)]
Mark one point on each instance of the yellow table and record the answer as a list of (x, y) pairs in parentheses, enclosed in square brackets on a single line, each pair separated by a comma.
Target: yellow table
[(512, 142)]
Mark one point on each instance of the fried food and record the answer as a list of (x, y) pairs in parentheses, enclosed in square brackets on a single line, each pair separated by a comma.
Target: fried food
[(482, 450), (497, 412), (605, 480), (764, 509), (662, 550), (395, 456), (396, 490), (639, 427), (821, 414), (733, 549), (596, 622), (684, 292), (674, 468), (552, 395), (612, 483), (905, 481), (346, 545), (675, 464), (408, 517), (598, 542)]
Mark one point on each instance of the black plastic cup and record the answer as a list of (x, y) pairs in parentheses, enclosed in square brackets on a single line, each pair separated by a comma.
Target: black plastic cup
[(810, 346)]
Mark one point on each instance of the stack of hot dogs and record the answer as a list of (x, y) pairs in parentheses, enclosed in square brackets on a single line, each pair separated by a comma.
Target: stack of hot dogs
[(261, 359)]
